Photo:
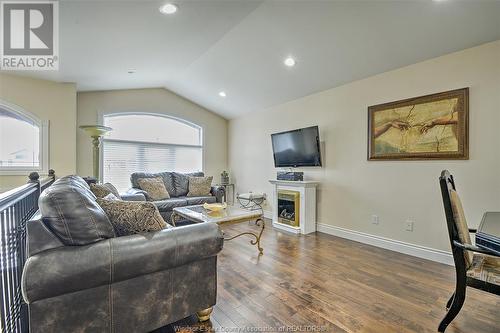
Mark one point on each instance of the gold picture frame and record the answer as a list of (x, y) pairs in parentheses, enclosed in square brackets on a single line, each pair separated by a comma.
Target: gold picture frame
[(431, 127)]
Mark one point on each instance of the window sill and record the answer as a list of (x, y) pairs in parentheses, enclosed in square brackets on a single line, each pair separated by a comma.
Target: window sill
[(21, 172)]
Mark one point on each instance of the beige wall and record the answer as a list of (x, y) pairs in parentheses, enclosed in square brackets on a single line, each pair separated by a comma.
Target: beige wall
[(55, 102), (93, 104), (352, 189)]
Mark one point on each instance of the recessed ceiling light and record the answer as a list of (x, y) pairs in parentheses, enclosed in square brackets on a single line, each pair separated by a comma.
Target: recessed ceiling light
[(222, 94), (168, 9), (290, 62)]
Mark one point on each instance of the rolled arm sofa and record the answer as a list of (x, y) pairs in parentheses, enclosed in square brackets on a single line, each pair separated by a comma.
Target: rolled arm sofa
[(79, 277), (177, 185)]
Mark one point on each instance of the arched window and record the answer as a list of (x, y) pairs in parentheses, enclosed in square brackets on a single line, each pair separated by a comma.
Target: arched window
[(23, 142), (149, 143)]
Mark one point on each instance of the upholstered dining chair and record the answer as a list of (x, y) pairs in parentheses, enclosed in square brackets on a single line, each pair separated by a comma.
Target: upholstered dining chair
[(475, 267)]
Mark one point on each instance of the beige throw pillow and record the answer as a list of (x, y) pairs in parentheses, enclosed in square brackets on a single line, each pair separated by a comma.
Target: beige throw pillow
[(154, 187), (102, 190), (132, 217), (110, 196), (199, 186)]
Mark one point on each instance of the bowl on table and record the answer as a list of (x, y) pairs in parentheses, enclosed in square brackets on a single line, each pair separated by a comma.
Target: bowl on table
[(215, 207)]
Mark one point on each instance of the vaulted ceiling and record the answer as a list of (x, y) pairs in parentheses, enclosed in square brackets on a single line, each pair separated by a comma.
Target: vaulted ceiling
[(238, 47)]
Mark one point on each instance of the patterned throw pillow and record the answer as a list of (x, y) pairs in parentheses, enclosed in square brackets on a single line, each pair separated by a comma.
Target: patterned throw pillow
[(102, 190), (110, 196), (154, 187), (132, 217), (180, 182), (199, 186)]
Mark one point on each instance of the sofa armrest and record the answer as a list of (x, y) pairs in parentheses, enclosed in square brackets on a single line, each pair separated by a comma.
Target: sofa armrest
[(218, 192), (66, 269), (134, 194), (156, 251), (133, 197), (74, 268)]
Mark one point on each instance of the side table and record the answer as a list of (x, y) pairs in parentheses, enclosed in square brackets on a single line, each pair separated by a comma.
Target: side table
[(226, 186)]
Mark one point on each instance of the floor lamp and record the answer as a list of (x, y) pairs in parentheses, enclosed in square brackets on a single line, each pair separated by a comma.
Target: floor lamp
[(96, 132)]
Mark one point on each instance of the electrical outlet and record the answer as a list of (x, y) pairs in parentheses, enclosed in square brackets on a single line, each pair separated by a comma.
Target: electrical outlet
[(375, 219), (409, 225)]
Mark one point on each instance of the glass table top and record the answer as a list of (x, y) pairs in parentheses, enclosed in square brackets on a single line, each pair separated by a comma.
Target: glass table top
[(229, 214)]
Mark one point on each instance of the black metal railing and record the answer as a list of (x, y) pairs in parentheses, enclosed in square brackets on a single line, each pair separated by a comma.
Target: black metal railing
[(17, 207)]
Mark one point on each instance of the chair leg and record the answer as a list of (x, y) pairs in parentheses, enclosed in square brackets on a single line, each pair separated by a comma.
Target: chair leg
[(458, 299), (450, 300)]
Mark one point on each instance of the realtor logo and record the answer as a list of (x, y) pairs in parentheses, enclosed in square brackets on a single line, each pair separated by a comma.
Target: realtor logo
[(30, 35)]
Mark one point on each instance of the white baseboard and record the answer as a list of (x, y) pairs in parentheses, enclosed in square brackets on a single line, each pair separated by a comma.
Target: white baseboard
[(389, 244), (286, 228)]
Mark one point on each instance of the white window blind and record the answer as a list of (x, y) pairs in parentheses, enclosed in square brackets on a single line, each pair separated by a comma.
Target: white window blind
[(122, 157)]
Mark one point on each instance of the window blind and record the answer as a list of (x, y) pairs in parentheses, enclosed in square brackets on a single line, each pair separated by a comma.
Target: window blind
[(122, 158)]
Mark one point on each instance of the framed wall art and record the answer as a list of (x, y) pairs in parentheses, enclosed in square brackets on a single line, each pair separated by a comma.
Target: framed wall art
[(422, 128)]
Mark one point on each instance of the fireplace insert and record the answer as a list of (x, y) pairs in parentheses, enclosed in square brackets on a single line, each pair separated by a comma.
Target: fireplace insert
[(288, 207)]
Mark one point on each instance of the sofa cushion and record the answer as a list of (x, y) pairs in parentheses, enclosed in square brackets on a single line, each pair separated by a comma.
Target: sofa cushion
[(71, 212), (181, 182), (166, 176), (102, 190), (199, 186), (154, 187), (76, 181), (200, 200), (132, 217), (485, 268), (169, 204)]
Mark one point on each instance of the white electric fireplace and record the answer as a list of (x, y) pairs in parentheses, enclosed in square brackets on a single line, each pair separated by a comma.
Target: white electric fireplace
[(294, 206)]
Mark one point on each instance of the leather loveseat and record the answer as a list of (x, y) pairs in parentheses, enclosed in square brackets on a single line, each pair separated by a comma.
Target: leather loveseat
[(80, 277), (177, 185)]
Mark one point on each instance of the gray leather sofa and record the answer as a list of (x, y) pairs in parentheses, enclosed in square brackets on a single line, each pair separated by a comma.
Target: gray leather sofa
[(79, 277), (177, 186)]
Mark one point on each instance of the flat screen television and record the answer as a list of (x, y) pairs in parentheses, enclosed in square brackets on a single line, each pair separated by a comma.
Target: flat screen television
[(297, 148)]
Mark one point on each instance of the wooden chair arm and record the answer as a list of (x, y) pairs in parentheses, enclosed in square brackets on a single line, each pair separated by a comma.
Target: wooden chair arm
[(474, 248)]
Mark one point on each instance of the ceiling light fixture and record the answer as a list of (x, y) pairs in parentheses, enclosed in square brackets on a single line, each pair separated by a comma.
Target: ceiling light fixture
[(168, 9), (290, 62), (222, 94)]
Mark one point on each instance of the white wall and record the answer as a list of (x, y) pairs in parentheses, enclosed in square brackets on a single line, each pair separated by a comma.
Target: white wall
[(352, 189), (52, 101), (157, 100)]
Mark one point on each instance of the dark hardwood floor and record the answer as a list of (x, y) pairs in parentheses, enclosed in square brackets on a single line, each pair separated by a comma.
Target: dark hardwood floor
[(331, 284)]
